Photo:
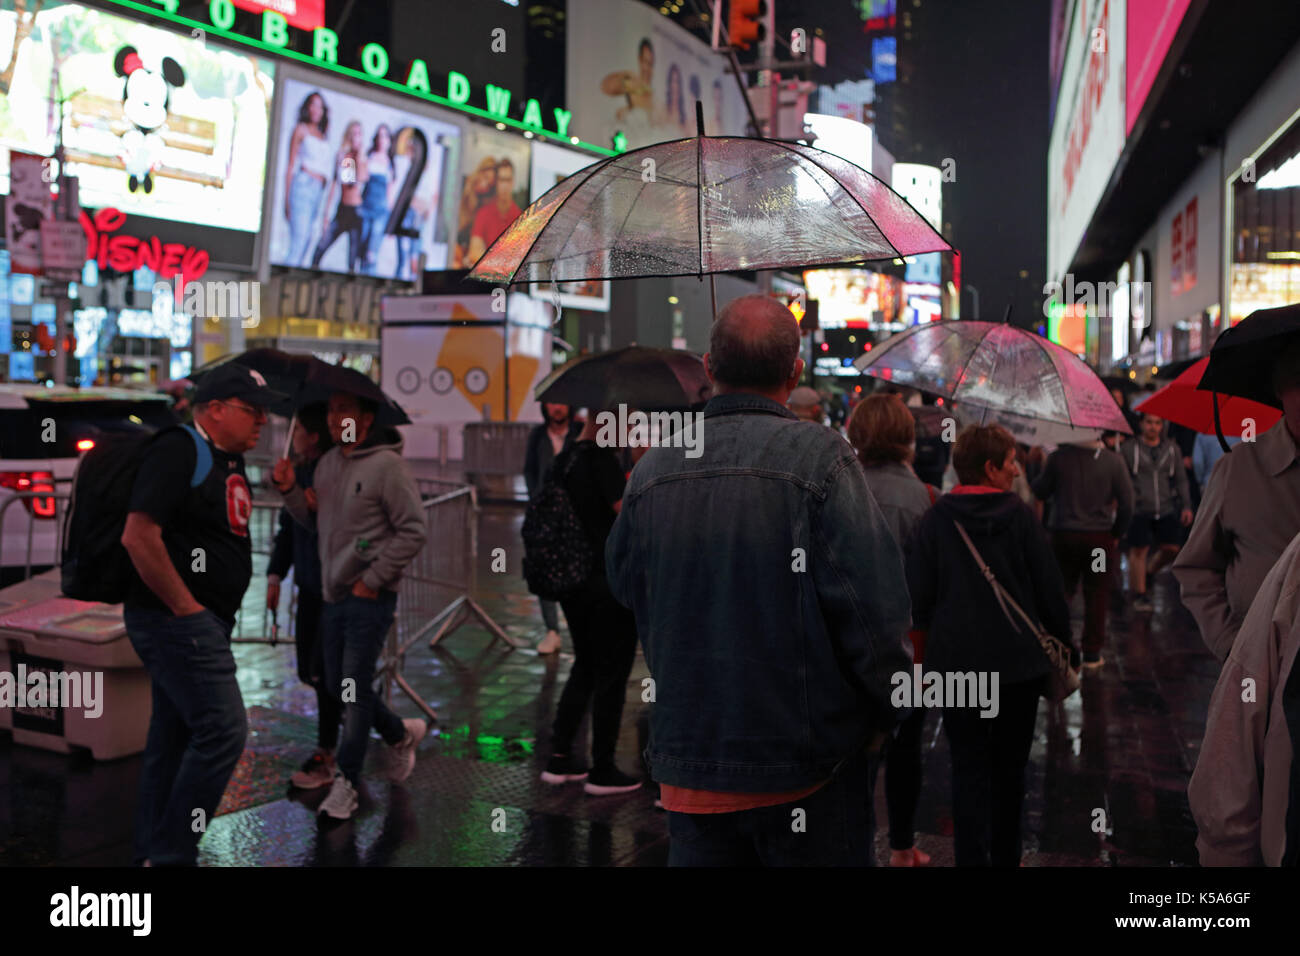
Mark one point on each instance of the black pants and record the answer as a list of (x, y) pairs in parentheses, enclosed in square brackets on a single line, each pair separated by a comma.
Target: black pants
[(604, 644), (903, 781), (347, 221), (838, 828), (311, 667), (989, 755)]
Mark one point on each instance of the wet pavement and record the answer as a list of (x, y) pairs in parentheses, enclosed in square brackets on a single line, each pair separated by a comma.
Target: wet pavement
[(1106, 786)]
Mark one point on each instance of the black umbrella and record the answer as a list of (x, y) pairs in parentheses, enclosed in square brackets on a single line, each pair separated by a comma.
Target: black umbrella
[(306, 380), (640, 377), (1242, 359), (1241, 362)]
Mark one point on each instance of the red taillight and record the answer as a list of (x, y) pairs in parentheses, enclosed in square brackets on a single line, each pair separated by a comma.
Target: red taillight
[(31, 481), (85, 444)]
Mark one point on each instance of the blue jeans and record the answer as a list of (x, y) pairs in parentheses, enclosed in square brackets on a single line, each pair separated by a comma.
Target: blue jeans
[(838, 828), (196, 733), (372, 238), (354, 630), (305, 195)]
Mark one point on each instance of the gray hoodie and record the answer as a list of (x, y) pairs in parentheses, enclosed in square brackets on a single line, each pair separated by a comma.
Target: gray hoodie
[(1159, 478), (368, 515)]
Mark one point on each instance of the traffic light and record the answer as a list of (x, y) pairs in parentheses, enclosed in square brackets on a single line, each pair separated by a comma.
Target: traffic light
[(746, 23)]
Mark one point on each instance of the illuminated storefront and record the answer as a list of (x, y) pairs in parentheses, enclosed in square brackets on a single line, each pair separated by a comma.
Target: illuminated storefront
[(1264, 269)]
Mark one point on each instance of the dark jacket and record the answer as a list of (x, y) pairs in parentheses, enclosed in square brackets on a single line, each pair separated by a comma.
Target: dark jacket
[(951, 599), (769, 598), (1082, 483), (1159, 478), (540, 456), (295, 545)]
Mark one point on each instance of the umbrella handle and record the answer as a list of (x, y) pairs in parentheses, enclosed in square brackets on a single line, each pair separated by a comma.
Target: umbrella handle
[(1218, 427), (288, 439)]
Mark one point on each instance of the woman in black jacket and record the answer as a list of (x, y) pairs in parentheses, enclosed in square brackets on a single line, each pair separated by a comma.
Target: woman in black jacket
[(969, 633)]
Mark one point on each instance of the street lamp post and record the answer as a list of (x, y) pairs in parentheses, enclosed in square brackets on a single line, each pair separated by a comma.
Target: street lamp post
[(975, 294)]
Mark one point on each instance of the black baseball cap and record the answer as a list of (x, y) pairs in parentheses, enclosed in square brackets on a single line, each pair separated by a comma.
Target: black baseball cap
[(236, 381)]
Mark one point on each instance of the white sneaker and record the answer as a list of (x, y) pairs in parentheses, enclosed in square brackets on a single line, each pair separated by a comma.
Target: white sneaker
[(342, 801), (404, 752)]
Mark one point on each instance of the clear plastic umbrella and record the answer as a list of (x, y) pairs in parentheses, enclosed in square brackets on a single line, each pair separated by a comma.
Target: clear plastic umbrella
[(706, 205), (999, 374)]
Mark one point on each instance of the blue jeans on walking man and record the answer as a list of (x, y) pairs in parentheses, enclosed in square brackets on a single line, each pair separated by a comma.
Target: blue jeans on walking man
[(196, 732), (353, 631)]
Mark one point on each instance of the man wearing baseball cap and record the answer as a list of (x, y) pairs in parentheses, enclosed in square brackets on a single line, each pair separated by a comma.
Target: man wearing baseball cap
[(187, 536)]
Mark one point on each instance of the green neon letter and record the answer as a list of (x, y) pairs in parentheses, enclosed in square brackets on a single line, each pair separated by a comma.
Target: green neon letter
[(562, 117), (498, 101), (275, 29), (417, 77), (458, 88), (374, 60), (325, 45), (222, 14), (533, 114)]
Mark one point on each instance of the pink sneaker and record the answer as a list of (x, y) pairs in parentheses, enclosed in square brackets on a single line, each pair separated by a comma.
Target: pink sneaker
[(317, 772)]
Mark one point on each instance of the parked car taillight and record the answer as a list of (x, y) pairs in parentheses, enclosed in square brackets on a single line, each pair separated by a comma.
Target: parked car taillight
[(31, 481)]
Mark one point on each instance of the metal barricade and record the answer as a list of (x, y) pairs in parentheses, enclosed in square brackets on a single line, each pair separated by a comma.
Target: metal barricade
[(494, 454), (41, 544), (437, 589)]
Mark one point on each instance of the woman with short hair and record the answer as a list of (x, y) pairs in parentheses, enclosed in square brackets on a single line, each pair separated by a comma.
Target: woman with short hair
[(969, 632), (883, 434)]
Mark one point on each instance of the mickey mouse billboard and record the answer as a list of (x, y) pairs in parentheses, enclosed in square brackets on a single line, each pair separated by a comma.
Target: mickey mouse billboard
[(155, 123)]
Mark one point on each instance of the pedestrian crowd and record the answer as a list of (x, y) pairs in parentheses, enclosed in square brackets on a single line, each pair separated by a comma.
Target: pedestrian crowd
[(802, 597)]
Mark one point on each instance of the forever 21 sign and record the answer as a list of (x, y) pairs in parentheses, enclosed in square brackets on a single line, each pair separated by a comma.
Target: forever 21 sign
[(333, 300)]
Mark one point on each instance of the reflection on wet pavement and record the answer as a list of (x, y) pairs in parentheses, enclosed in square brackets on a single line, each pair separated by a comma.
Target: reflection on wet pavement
[(1106, 785)]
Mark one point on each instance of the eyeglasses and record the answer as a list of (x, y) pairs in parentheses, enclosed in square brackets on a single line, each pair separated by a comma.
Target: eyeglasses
[(259, 414)]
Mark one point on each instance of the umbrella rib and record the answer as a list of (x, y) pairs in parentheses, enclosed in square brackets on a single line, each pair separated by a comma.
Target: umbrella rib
[(971, 354), (835, 179), (1065, 395), (699, 202), (947, 244)]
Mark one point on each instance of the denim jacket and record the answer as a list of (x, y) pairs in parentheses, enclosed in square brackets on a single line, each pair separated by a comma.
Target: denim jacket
[(770, 599)]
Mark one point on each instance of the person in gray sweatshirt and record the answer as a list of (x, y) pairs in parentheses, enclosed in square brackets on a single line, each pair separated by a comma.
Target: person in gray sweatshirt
[(1163, 504), (1091, 500), (366, 511)]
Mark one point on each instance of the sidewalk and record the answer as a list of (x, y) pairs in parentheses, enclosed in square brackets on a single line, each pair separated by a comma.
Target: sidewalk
[(1126, 747)]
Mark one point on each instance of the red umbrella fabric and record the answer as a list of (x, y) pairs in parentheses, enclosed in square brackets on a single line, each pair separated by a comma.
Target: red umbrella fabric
[(1183, 403)]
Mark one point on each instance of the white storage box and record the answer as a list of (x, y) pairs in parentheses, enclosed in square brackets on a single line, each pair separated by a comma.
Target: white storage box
[(104, 690)]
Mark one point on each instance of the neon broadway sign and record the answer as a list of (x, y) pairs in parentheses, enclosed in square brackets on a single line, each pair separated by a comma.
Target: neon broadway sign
[(276, 36)]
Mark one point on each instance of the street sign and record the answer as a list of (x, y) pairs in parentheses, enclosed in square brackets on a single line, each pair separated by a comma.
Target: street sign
[(63, 249)]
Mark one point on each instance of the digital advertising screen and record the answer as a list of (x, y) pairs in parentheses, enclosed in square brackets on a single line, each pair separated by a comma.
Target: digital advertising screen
[(155, 123), (634, 72), (551, 166), (494, 190), (357, 184)]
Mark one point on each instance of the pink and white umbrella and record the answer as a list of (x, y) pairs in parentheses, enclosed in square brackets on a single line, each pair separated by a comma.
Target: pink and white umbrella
[(999, 374)]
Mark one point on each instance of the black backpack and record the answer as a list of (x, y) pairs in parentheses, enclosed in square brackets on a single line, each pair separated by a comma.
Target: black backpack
[(558, 558), (95, 566)]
